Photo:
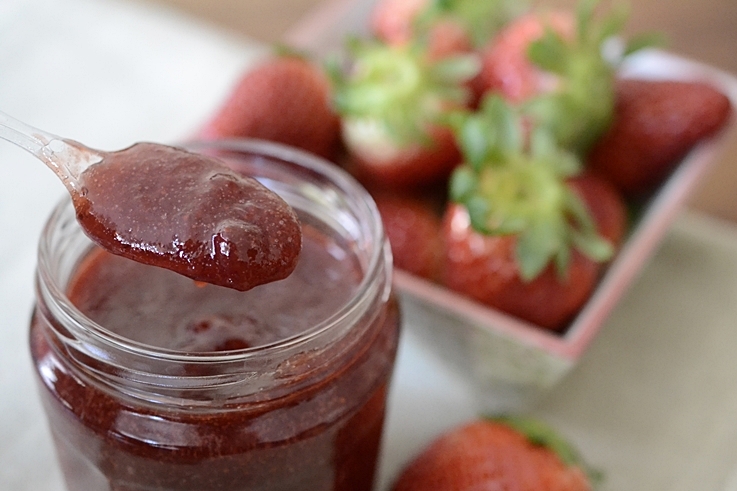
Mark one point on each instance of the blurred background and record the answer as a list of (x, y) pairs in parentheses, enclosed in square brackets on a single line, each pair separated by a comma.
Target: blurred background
[(705, 30)]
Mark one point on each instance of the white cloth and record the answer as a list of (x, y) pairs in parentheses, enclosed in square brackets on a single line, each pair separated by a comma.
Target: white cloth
[(106, 73)]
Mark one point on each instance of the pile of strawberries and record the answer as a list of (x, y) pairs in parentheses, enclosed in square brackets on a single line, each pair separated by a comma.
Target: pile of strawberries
[(499, 143)]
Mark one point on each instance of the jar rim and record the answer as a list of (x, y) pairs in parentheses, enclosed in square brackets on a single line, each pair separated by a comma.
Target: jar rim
[(380, 258)]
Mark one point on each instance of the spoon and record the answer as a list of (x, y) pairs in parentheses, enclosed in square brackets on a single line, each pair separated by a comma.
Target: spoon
[(168, 207), (67, 158)]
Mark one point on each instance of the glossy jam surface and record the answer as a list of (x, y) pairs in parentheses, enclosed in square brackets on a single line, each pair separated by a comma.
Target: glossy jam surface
[(180, 314), (318, 430), (188, 213)]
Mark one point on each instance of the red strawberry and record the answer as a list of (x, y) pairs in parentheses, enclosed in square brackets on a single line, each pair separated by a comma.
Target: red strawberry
[(413, 230), (284, 99), (447, 38), (453, 24), (485, 268), (506, 67), (445, 28), (392, 21), (376, 158), (605, 204), (503, 454), (553, 65), (393, 101), (528, 234), (655, 124)]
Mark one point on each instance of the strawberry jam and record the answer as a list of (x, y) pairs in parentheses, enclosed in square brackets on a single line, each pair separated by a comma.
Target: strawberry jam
[(124, 295), (153, 381), (189, 213)]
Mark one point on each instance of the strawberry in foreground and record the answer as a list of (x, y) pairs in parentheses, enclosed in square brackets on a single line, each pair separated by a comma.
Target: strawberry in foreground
[(526, 233), (655, 124), (502, 454), (284, 99), (392, 102)]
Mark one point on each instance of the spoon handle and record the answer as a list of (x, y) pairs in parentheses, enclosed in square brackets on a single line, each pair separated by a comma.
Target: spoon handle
[(67, 158)]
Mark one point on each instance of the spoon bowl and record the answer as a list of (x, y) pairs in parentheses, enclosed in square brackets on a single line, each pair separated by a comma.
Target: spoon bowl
[(167, 207)]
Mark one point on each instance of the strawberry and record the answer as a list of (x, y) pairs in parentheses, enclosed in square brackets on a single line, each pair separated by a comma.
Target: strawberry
[(444, 27), (497, 454), (392, 21), (606, 205), (377, 158), (553, 64), (655, 124), (455, 24), (506, 67), (413, 230), (393, 102), (284, 99), (526, 233), (450, 27)]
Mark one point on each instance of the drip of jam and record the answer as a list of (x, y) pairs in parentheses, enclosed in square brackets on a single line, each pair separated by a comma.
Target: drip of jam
[(188, 213)]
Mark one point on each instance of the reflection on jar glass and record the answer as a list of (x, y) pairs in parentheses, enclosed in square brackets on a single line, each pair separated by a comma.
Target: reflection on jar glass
[(152, 381)]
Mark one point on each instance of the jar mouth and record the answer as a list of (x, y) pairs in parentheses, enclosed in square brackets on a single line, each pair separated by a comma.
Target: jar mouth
[(370, 238)]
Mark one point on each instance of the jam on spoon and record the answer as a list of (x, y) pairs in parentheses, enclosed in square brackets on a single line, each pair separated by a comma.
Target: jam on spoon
[(167, 207)]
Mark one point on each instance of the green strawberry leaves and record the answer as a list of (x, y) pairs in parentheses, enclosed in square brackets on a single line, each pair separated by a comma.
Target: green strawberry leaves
[(514, 181), (581, 107), (490, 137), (399, 89), (541, 434)]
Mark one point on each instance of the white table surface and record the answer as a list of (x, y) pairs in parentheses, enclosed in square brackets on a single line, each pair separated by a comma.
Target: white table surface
[(653, 403), (107, 73)]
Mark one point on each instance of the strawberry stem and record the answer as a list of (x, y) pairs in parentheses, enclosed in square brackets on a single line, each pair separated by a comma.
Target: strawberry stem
[(515, 185), (542, 434), (399, 88), (581, 109)]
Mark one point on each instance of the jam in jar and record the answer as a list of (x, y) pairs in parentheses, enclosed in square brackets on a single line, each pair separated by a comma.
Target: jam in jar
[(152, 381)]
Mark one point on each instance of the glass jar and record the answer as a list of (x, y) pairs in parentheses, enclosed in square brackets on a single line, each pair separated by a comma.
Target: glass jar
[(140, 407)]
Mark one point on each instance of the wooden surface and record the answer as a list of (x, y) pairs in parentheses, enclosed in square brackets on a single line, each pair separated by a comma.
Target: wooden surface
[(705, 30)]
